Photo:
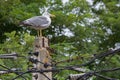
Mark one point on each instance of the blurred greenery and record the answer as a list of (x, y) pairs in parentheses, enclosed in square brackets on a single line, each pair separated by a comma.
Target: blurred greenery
[(80, 29)]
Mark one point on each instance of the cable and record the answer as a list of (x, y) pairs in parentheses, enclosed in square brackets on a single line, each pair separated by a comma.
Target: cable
[(21, 75), (36, 61), (70, 67), (4, 67), (45, 76)]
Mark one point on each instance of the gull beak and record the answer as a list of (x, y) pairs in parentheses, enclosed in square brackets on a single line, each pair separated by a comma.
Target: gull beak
[(51, 15)]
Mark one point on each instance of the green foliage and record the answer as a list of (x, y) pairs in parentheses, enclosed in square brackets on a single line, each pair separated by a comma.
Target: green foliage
[(21, 46)]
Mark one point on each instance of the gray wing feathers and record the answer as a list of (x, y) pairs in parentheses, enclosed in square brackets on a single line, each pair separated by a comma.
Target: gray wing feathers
[(37, 21)]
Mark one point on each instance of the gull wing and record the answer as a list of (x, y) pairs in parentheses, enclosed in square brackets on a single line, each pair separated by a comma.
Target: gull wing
[(36, 21)]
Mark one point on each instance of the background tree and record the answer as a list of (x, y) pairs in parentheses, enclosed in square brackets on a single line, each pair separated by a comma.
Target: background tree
[(80, 31)]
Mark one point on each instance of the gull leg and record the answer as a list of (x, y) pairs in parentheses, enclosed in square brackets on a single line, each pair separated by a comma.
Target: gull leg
[(40, 33)]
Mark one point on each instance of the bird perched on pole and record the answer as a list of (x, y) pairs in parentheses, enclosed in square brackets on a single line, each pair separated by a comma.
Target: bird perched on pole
[(39, 22)]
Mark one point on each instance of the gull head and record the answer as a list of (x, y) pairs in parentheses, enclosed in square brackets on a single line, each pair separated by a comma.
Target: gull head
[(47, 14)]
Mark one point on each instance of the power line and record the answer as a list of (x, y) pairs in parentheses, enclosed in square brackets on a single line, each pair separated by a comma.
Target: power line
[(70, 67)]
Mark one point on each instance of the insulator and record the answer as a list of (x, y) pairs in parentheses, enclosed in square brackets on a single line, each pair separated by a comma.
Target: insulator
[(75, 76), (36, 53), (16, 69), (11, 54), (33, 60), (4, 72), (46, 65), (8, 57), (35, 76)]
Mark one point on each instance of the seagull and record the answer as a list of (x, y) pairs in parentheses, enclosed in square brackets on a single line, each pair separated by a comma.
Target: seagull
[(38, 22)]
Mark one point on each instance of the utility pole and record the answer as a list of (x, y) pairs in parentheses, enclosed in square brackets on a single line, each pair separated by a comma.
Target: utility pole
[(43, 56)]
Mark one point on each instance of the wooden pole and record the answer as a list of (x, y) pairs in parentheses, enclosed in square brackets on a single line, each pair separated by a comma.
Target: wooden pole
[(41, 45)]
